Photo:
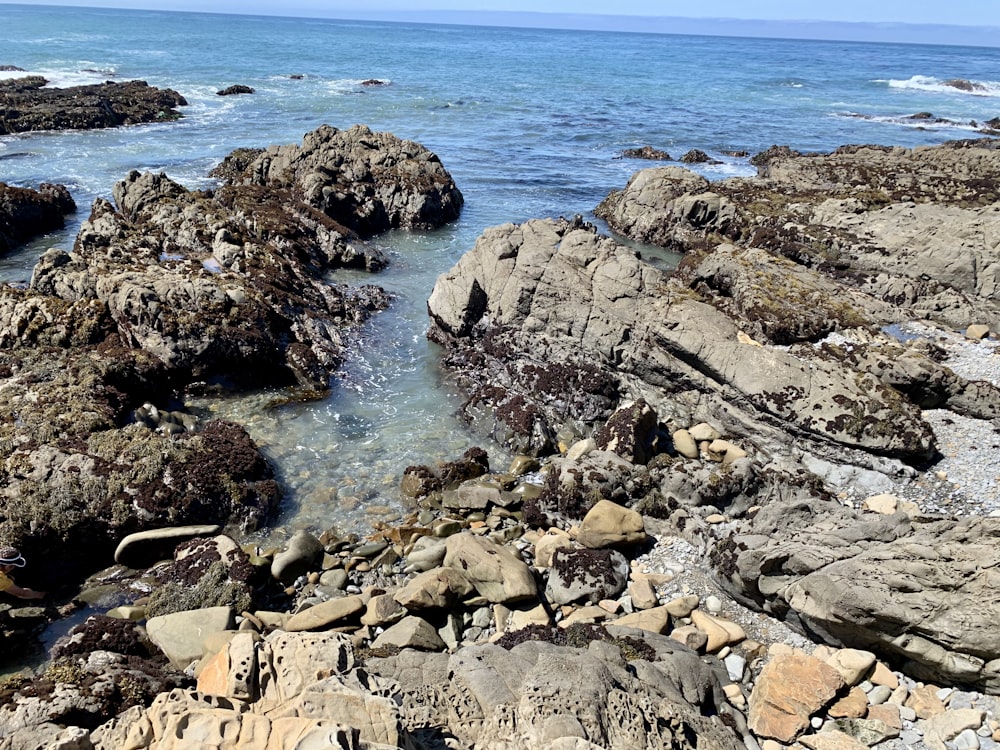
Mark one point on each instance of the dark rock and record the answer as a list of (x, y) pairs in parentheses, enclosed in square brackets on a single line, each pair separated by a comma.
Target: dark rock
[(235, 89), (631, 432), (26, 213), (738, 153), (695, 156), (374, 82), (11, 69), (205, 572), (774, 152), (646, 152), (369, 182), (962, 84), (29, 105)]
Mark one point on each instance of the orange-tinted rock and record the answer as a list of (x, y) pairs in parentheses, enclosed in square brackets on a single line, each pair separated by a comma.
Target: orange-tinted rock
[(790, 689)]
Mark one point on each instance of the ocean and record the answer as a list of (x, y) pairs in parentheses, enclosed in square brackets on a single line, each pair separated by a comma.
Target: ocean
[(531, 123)]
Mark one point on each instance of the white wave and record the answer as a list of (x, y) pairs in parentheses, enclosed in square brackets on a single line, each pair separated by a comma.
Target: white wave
[(62, 78), (908, 121), (945, 85)]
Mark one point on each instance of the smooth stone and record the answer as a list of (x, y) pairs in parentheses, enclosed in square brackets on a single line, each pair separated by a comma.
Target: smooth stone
[(735, 666), (581, 448), (144, 549), (690, 636), (682, 606), (884, 503), (179, 635), (128, 612), (946, 726), (642, 594), (703, 431), (438, 588), (382, 609), (720, 632), (879, 694), (655, 620), (303, 554), (547, 545), (853, 664), (977, 331), (334, 579), (411, 632), (967, 739), (325, 614), (608, 524), (685, 444), (713, 604), (496, 572), (522, 465)]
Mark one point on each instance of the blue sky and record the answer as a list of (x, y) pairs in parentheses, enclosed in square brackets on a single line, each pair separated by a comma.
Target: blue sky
[(957, 12), (976, 16)]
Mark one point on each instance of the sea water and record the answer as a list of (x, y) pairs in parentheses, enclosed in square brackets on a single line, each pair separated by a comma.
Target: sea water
[(531, 123)]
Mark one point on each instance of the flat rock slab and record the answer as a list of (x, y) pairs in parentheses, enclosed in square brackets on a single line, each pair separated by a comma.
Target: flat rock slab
[(180, 635), (790, 689), (922, 595)]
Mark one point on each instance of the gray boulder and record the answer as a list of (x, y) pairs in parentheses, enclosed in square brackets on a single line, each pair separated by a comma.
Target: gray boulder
[(538, 695), (915, 592), (586, 575), (556, 286)]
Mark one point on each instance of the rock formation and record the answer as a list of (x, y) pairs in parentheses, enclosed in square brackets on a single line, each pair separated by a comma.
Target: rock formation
[(29, 104), (26, 213)]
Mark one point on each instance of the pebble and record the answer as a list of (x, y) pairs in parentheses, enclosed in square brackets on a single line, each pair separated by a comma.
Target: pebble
[(735, 665), (879, 694), (713, 604), (966, 740)]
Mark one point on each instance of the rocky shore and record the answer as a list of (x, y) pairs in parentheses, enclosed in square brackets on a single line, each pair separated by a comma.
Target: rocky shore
[(737, 518)]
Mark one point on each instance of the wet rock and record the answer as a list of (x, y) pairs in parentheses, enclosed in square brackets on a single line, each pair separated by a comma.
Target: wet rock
[(646, 152), (696, 156), (205, 572), (235, 89), (27, 213), (31, 105)]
